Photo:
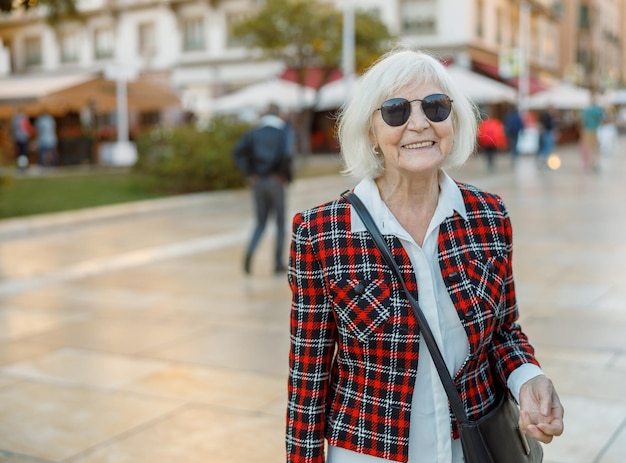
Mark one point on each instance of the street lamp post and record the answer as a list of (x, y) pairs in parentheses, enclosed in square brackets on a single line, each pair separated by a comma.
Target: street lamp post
[(348, 41), (523, 84), (123, 152)]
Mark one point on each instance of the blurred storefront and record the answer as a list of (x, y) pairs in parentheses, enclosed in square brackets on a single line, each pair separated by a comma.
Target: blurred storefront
[(84, 107)]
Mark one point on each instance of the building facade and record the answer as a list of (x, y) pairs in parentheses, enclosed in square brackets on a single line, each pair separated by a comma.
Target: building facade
[(191, 41)]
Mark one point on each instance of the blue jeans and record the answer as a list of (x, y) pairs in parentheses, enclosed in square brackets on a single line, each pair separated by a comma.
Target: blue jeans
[(547, 143), (269, 198)]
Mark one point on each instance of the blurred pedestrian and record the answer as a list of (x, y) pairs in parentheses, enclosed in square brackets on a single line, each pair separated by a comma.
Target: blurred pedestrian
[(362, 385), (45, 126), (529, 139), (264, 154), (21, 131), (491, 139), (513, 126), (547, 128), (591, 119)]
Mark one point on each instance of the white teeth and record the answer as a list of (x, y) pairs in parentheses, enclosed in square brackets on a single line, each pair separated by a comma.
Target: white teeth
[(414, 146)]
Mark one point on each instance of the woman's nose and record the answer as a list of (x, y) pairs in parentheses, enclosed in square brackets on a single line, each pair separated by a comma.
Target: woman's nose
[(417, 118)]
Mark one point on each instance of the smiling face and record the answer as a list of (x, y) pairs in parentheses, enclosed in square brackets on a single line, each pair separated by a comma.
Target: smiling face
[(418, 147)]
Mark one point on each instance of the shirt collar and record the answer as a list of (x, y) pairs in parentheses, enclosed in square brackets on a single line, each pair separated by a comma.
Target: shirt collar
[(272, 121), (450, 200)]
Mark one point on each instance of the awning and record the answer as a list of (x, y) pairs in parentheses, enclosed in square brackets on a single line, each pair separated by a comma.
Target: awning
[(334, 94), (254, 99), (478, 88), (561, 96), (18, 89), (314, 77), (61, 94), (146, 93), (481, 89), (491, 70)]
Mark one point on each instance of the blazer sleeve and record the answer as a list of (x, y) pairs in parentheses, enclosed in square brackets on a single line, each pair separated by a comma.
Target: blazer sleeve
[(313, 333), (510, 347)]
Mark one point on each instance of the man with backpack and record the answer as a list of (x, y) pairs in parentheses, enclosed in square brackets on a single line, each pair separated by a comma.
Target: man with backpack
[(264, 155)]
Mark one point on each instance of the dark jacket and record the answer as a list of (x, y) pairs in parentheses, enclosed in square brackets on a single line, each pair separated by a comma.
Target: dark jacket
[(265, 150)]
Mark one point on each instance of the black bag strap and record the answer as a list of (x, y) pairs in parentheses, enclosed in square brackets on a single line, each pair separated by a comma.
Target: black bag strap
[(440, 364)]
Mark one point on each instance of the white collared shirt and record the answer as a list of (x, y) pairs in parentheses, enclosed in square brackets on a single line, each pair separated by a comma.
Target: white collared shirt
[(429, 435)]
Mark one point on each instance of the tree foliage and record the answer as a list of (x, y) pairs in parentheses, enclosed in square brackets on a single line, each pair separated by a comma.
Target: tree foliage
[(305, 34), (308, 34), (54, 10)]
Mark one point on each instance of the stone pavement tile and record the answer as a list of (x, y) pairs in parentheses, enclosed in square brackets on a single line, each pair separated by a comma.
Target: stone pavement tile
[(6, 381), (576, 329), (18, 323), (258, 348), (613, 302), (52, 422), (180, 275), (619, 362), (12, 457), (83, 367), (196, 434), (127, 335), (594, 382), (615, 451), (220, 387), (277, 407), (578, 357), (16, 351), (559, 296), (199, 289), (589, 428)]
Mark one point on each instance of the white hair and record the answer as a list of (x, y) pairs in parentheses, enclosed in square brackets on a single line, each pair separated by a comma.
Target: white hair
[(393, 71)]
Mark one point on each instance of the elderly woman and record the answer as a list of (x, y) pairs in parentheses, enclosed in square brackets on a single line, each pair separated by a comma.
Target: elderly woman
[(361, 377)]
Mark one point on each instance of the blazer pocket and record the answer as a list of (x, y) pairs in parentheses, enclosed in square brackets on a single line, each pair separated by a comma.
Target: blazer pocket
[(488, 278), (361, 306)]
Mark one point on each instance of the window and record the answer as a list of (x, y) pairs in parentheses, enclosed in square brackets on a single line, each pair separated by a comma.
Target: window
[(478, 25), (499, 24), (147, 39), (149, 118), (33, 51), (193, 34), (419, 16), (103, 42), (69, 46), (584, 20), (233, 18)]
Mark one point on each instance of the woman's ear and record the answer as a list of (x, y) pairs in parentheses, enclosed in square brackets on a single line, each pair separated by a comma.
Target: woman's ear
[(372, 138)]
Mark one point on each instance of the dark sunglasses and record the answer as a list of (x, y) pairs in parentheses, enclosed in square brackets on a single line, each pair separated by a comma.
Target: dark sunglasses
[(396, 111)]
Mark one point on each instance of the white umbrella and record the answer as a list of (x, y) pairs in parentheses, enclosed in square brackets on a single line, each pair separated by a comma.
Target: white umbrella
[(615, 97), (481, 89), (257, 97), (561, 96), (334, 94)]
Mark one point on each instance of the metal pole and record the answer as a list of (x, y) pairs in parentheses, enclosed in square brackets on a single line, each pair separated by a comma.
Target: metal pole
[(122, 109), (523, 84), (348, 39)]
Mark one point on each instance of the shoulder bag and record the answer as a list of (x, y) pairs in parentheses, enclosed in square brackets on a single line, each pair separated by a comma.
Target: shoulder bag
[(493, 438)]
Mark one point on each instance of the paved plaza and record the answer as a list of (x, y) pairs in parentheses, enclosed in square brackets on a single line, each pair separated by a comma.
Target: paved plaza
[(129, 334)]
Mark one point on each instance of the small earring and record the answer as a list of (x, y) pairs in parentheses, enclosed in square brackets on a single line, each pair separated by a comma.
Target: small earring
[(375, 150)]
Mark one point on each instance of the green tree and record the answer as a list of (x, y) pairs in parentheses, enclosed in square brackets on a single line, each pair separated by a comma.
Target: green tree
[(307, 34), (55, 10)]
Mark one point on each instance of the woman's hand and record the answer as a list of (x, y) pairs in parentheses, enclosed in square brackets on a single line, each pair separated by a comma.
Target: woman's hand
[(541, 412)]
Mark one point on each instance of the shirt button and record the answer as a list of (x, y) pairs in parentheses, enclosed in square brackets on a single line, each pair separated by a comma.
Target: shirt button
[(454, 277), (491, 266), (469, 315), (359, 289)]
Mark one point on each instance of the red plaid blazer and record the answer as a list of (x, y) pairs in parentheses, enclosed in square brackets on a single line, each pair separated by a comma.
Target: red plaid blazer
[(354, 337)]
